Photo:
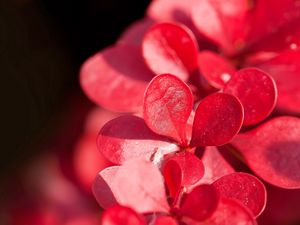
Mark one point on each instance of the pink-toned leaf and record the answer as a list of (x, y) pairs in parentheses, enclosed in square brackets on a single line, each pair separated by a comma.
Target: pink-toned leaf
[(170, 48), (245, 188), (257, 92), (172, 11), (223, 22), (104, 187), (272, 151), (121, 215), (165, 220), (182, 170), (215, 166), (230, 212), (116, 78), (168, 103), (200, 203), (128, 137), (218, 119), (285, 69), (141, 187), (134, 34), (216, 69)]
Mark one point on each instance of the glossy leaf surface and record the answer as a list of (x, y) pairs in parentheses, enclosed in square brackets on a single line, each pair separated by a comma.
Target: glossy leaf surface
[(170, 48), (245, 188), (168, 103), (257, 92), (216, 69), (218, 119), (118, 215), (200, 203), (116, 78), (272, 151), (141, 186), (128, 137)]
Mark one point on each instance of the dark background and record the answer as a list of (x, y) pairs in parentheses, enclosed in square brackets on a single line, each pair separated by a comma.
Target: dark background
[(42, 45)]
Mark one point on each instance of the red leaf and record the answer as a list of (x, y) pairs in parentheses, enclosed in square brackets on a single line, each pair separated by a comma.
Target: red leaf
[(223, 22), (257, 92), (285, 69), (104, 187), (165, 220), (272, 151), (216, 69), (114, 80), (172, 11), (141, 186), (134, 34), (128, 137), (230, 212), (168, 104), (215, 166), (218, 119), (121, 215), (170, 48), (245, 188), (182, 170), (200, 203)]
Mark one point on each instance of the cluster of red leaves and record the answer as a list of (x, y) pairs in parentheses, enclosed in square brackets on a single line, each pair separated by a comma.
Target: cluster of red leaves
[(247, 67)]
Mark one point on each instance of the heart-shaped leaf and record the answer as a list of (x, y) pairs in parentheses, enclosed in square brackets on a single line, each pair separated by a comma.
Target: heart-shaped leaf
[(272, 151), (128, 137), (285, 69), (170, 48), (182, 170), (200, 203), (104, 187), (218, 119), (141, 187), (165, 220), (245, 188), (257, 92), (216, 69), (118, 215), (114, 80), (168, 103), (230, 212), (215, 166)]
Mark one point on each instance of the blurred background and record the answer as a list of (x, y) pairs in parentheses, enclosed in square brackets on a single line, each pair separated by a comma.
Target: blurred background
[(42, 45)]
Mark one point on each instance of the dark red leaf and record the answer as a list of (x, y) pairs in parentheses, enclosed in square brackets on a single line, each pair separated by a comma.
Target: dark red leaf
[(230, 212), (168, 103), (121, 215), (104, 187), (216, 69), (272, 151), (141, 186), (116, 78), (218, 119), (285, 69), (257, 92), (134, 34), (170, 48), (128, 137), (245, 188), (165, 220), (215, 166), (200, 203), (182, 170)]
